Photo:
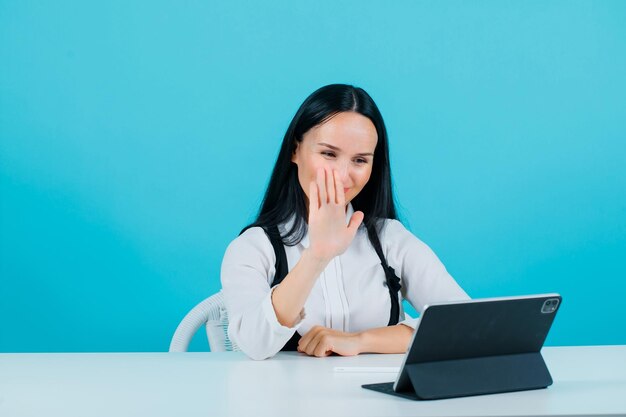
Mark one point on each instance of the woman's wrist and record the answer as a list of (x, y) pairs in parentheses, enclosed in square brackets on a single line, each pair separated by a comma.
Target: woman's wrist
[(317, 263), (389, 339), (363, 342)]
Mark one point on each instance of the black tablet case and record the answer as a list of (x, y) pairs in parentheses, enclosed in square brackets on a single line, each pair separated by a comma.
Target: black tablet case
[(476, 348)]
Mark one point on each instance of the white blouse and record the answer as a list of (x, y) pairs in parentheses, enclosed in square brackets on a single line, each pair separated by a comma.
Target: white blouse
[(350, 295)]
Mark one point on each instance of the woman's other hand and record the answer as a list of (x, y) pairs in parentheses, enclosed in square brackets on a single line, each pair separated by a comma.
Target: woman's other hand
[(328, 233), (322, 341)]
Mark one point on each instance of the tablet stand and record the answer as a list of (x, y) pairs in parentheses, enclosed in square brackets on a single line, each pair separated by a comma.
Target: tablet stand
[(475, 376)]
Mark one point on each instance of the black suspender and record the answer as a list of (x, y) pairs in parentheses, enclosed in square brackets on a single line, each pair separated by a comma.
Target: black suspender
[(282, 268), (392, 281)]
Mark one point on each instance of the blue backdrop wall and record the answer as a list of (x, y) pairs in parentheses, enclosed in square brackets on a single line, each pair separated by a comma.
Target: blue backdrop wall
[(136, 139)]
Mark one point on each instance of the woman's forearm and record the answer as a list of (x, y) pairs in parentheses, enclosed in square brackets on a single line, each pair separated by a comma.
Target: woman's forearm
[(390, 339), (289, 297)]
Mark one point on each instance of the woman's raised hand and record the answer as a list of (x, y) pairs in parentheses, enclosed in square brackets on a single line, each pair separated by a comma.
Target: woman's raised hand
[(329, 235)]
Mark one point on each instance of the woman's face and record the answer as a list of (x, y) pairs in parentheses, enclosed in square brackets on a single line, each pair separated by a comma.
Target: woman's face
[(344, 143)]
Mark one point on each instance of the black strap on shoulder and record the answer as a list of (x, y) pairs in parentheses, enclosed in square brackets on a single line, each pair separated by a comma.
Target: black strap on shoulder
[(392, 281), (282, 268)]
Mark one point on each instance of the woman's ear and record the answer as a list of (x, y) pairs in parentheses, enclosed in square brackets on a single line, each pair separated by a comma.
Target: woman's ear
[(294, 154)]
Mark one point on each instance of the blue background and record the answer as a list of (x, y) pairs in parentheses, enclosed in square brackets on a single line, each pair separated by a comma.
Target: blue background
[(137, 138)]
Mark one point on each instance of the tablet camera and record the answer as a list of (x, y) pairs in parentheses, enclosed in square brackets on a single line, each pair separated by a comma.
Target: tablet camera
[(550, 305)]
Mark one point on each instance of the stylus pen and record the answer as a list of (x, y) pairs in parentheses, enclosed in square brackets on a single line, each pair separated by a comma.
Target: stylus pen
[(367, 369)]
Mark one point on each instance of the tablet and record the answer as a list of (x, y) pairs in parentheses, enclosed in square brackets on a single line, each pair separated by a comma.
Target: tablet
[(475, 347)]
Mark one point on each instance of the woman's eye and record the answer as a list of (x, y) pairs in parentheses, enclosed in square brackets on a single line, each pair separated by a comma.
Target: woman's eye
[(329, 154), (361, 161)]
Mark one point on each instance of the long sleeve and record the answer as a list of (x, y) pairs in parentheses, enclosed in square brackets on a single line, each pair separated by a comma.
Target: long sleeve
[(247, 271), (425, 280)]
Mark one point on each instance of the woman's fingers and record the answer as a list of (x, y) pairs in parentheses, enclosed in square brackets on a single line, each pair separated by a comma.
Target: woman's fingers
[(341, 197), (321, 185), (311, 346), (318, 346), (322, 347), (355, 222), (330, 185), (306, 339), (314, 198), (329, 235), (322, 341)]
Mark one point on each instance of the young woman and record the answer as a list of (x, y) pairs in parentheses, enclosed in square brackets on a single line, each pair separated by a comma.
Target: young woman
[(326, 265)]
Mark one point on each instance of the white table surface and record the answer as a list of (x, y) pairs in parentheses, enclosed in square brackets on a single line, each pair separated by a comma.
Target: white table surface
[(587, 381)]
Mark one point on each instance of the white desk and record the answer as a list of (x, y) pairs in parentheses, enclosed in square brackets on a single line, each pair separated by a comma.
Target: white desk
[(587, 381)]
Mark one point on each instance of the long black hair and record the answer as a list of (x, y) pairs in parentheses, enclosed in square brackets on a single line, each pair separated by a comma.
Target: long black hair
[(284, 196)]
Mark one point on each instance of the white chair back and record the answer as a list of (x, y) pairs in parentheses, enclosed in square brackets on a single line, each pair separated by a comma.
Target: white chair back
[(213, 315)]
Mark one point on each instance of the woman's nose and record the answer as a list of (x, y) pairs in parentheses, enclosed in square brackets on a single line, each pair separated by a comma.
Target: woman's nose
[(343, 171)]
